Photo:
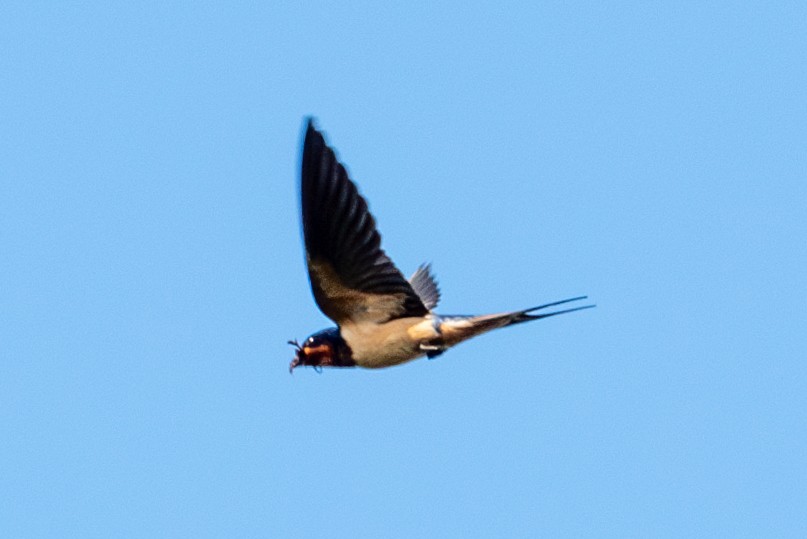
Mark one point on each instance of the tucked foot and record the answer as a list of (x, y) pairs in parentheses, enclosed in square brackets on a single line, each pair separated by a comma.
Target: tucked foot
[(432, 350)]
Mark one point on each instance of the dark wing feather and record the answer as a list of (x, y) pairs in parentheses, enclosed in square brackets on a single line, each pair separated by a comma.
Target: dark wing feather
[(353, 280), (425, 286)]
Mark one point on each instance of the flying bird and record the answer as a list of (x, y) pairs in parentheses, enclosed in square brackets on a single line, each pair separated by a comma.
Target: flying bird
[(382, 318)]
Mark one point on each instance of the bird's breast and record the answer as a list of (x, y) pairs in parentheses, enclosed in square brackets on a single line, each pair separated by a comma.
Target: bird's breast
[(390, 343)]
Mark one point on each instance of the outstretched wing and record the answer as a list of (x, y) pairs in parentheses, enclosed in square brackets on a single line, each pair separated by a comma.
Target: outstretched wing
[(353, 280), (425, 286)]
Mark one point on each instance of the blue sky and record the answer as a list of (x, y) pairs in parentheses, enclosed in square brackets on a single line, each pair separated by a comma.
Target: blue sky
[(649, 155)]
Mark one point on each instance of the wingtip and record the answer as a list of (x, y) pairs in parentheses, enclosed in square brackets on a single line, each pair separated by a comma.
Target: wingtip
[(313, 140), (310, 125)]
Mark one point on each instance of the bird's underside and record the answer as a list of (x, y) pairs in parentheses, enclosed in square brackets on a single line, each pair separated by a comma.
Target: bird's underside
[(405, 339)]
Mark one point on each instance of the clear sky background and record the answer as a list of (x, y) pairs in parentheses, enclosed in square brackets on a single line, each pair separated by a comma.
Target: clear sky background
[(650, 155)]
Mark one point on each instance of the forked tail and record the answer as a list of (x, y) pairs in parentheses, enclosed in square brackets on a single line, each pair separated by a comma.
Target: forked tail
[(524, 316), (455, 329)]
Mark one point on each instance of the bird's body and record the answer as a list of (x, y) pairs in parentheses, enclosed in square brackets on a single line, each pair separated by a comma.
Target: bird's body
[(405, 339), (382, 318), (391, 343)]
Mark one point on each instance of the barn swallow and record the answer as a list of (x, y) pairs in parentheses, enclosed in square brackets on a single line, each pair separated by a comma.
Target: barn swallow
[(382, 318)]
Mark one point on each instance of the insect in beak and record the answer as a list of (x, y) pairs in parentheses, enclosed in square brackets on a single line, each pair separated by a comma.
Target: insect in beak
[(297, 350)]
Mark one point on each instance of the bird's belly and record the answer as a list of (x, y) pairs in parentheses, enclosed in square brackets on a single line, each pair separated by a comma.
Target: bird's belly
[(392, 343)]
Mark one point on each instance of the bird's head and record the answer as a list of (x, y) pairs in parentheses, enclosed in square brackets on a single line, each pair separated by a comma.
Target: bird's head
[(322, 349)]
